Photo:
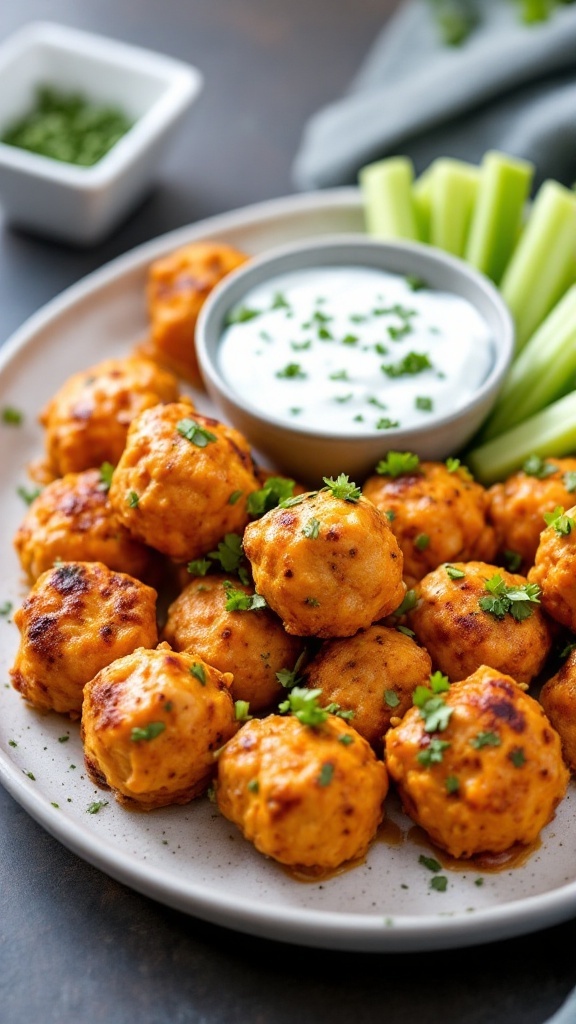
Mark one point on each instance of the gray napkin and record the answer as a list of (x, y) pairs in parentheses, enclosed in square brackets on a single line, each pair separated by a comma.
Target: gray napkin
[(509, 86)]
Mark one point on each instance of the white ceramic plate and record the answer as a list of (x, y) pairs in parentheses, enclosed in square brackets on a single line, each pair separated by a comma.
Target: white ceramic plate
[(190, 857)]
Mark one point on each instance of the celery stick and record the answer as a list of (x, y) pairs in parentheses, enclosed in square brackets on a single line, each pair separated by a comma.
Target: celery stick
[(537, 273), (543, 371), (386, 188), (454, 189), (422, 196), (504, 187), (549, 432)]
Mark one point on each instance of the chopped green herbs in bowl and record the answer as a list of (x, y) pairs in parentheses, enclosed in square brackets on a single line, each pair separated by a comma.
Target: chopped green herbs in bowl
[(68, 126)]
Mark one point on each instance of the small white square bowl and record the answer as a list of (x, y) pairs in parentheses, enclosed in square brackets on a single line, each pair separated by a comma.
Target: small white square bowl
[(83, 204)]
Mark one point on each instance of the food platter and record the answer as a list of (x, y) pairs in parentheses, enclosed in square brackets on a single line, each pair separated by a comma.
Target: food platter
[(190, 857)]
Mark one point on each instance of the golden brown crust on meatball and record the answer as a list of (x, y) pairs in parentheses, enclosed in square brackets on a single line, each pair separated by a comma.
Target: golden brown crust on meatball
[(78, 617), (518, 504), (309, 797), (151, 723), (500, 775), (182, 495), (73, 521), (436, 516), (374, 674), (558, 698), (253, 645), (177, 287), (460, 636), (87, 420), (328, 567), (554, 569)]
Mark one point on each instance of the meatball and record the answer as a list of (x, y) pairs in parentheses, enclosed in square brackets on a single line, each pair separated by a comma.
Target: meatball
[(373, 674), (492, 777), (251, 644), (437, 515), (73, 521), (78, 617), (310, 797), (151, 724), (327, 565), (88, 418), (182, 481), (177, 287), (554, 569), (558, 698), (517, 506), (452, 621)]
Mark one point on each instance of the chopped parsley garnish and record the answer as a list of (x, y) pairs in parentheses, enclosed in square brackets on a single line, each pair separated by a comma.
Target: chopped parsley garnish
[(303, 704), (559, 521), (324, 334), (64, 739), (229, 554), (517, 757), (301, 346), (313, 602), (424, 403), (512, 560), (432, 707), (433, 753), (234, 497), (454, 573), (239, 601), (387, 424), (429, 862), (439, 883), (397, 333), (485, 739), (199, 672), (105, 473), (390, 515), (28, 496), (253, 786), (516, 600), (242, 710), (292, 371), (346, 739), (453, 465), (415, 283), (343, 488), (411, 364), (567, 650), (241, 315), (409, 602), (195, 433), (96, 806), (335, 709), (535, 466), (6, 608), (376, 401), (132, 499), (350, 339), (148, 732), (275, 490), (199, 566), (339, 375), (391, 698), (326, 774), (422, 541), (343, 398), (12, 417), (311, 529), (280, 301), (405, 630), (452, 784), (398, 464), (569, 481)]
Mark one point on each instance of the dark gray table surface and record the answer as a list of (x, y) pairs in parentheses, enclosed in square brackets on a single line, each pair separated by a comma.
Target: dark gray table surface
[(75, 946)]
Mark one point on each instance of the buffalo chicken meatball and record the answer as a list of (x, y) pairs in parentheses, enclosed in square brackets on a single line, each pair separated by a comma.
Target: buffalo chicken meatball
[(437, 513), (88, 418), (518, 505), (327, 565), (250, 643), (177, 287), (471, 613), (73, 521), (182, 481), (309, 797), (490, 777), (373, 674), (554, 569), (558, 698), (151, 724), (78, 617)]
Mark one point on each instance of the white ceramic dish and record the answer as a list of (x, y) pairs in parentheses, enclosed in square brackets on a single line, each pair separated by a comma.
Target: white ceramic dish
[(190, 857), (83, 204), (312, 453)]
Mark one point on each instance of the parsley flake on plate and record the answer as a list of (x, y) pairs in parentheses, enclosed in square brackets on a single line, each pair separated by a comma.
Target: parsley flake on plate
[(559, 521), (239, 601), (516, 600), (195, 433)]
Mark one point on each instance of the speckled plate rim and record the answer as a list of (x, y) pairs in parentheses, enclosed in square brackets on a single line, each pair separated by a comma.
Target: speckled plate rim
[(270, 222)]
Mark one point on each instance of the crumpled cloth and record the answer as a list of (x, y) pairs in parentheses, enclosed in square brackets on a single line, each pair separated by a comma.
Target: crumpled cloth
[(509, 86)]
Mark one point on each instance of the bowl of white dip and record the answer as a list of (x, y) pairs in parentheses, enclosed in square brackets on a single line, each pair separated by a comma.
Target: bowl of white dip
[(326, 354)]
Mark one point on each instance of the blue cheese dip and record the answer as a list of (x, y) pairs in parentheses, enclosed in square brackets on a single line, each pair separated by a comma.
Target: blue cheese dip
[(353, 350)]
